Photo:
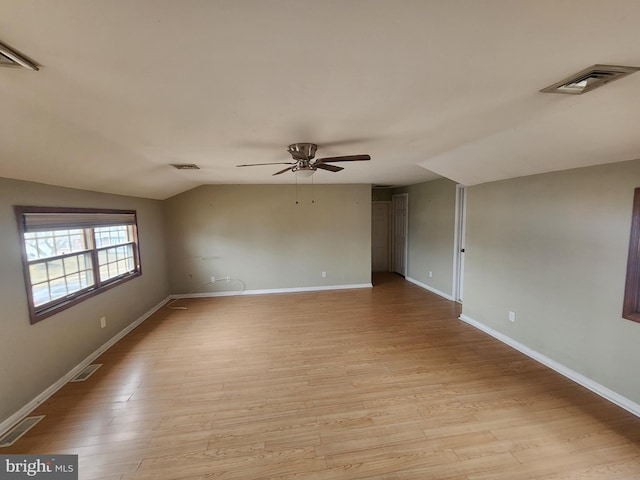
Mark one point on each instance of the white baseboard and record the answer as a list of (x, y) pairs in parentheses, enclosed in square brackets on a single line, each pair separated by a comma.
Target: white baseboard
[(272, 290), (431, 289), (6, 424), (580, 379)]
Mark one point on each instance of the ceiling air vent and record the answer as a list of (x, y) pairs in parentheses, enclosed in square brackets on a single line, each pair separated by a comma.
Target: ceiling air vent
[(185, 166), (589, 79), (9, 58)]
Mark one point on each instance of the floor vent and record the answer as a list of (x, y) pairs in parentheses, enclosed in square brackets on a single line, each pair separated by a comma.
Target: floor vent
[(87, 372), (13, 435)]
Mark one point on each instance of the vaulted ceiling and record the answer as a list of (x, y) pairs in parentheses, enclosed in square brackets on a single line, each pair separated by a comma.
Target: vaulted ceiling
[(428, 88)]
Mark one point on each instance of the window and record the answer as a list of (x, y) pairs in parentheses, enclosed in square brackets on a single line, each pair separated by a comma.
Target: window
[(72, 254), (631, 305)]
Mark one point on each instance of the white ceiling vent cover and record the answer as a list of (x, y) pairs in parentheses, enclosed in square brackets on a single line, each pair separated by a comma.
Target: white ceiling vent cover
[(13, 435), (185, 166), (86, 373), (590, 79)]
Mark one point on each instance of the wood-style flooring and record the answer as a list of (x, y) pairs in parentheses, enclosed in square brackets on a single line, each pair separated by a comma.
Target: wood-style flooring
[(381, 383)]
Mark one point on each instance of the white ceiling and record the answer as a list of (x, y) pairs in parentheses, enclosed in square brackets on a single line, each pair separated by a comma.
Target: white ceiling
[(427, 88)]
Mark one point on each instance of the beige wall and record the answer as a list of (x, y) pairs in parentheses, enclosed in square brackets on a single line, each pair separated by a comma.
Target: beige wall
[(257, 233), (33, 357), (431, 233), (553, 249)]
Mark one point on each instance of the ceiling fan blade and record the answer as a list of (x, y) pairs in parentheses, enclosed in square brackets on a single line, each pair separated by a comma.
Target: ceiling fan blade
[(271, 163), (282, 171), (331, 168), (343, 142), (345, 158)]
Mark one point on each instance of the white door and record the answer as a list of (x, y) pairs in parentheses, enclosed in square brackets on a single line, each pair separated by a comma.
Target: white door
[(458, 273), (400, 204), (380, 236)]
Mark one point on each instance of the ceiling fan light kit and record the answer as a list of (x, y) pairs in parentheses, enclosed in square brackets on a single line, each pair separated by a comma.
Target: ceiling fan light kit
[(305, 173), (304, 163)]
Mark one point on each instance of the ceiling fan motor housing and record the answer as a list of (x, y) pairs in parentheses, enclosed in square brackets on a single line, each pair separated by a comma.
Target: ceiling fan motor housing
[(302, 151)]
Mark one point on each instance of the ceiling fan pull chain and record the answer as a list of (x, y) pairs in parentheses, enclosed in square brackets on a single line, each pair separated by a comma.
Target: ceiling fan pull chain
[(312, 197), (296, 189)]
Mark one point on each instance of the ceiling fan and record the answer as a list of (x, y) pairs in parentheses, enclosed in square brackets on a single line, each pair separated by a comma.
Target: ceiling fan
[(304, 163)]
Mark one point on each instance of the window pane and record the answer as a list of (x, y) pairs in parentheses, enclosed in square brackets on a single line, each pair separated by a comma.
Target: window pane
[(38, 273), (73, 283), (40, 294), (55, 269), (54, 243), (45, 247), (63, 245), (31, 246), (77, 242), (71, 265), (104, 272), (58, 278), (106, 236), (58, 288), (84, 262), (122, 266), (115, 261), (102, 240), (86, 278)]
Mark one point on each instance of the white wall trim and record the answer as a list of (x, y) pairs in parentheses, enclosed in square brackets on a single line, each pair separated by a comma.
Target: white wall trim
[(271, 290), (580, 379), (427, 287), (44, 396)]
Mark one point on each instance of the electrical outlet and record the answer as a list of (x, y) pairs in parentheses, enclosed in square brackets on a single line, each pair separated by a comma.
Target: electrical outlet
[(213, 279), (324, 274), (512, 316), (227, 278), (103, 322), (430, 274)]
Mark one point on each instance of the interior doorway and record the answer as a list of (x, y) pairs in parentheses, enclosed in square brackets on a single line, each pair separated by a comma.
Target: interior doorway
[(400, 229), (380, 236)]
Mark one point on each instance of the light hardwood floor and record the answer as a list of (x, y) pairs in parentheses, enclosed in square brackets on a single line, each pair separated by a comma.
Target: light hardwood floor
[(379, 383)]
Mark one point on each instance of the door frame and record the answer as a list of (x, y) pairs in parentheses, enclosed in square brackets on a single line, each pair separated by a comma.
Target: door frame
[(459, 242)]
